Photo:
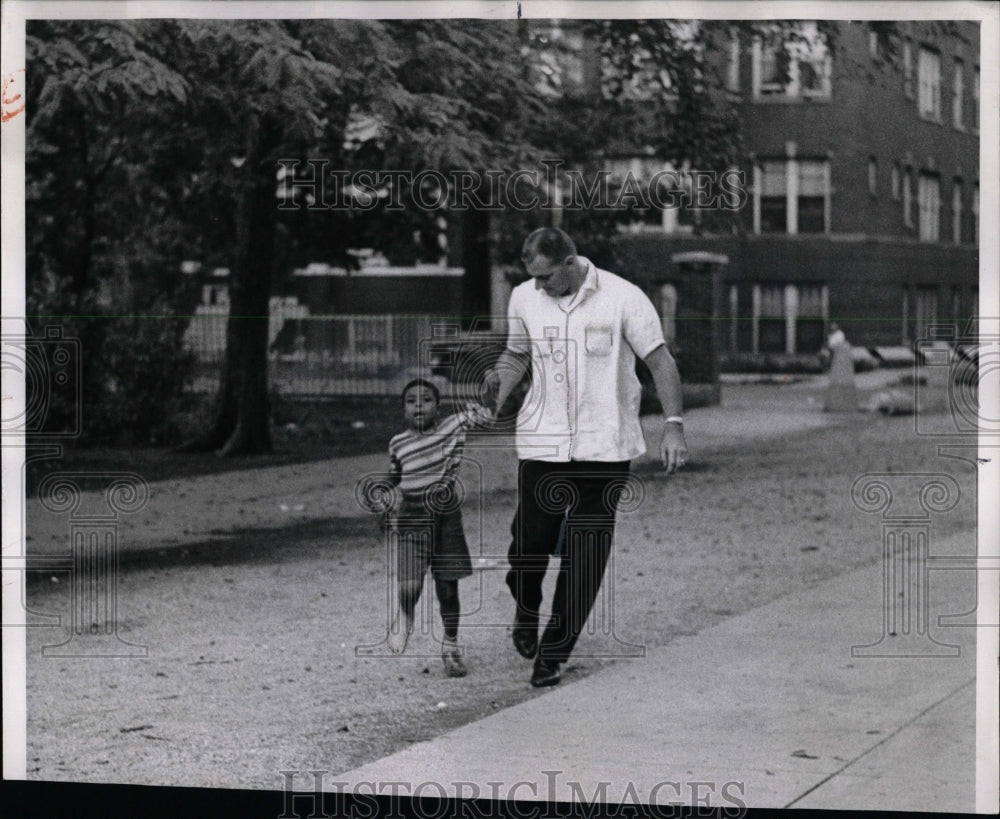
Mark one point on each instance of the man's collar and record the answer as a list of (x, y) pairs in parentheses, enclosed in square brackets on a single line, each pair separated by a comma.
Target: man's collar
[(588, 286), (590, 278)]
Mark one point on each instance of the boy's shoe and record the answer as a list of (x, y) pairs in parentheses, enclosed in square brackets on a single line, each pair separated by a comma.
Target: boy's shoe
[(451, 656), (546, 673)]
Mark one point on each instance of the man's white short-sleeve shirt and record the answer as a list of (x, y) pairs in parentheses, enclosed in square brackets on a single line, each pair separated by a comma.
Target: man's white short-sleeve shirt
[(583, 404)]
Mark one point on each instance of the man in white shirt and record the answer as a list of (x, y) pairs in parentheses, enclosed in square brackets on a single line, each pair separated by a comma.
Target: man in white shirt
[(581, 329)]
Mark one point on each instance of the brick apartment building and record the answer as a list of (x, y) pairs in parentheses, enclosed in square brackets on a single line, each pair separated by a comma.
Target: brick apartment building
[(862, 182), (863, 192)]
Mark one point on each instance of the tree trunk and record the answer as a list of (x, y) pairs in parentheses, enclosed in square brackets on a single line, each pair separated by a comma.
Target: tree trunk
[(476, 254), (240, 424)]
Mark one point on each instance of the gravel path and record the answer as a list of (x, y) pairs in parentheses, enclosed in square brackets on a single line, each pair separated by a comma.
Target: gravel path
[(252, 667)]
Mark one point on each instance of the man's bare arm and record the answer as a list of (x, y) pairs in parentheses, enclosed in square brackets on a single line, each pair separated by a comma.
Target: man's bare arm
[(666, 379), (510, 368)]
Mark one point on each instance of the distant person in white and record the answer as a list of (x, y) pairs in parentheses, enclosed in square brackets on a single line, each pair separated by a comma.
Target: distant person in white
[(836, 337)]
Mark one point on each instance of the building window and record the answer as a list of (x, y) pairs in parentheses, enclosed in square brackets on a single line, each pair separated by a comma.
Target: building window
[(895, 181), (929, 78), (769, 81), (792, 196), (810, 319), (796, 69), (872, 42), (788, 318), (926, 312), (872, 176), (773, 197), (956, 212), (958, 90), (769, 319), (812, 197), (630, 179), (907, 199), (908, 69), (929, 204)]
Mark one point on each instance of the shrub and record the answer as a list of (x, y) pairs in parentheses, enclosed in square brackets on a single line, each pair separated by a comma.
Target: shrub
[(141, 369)]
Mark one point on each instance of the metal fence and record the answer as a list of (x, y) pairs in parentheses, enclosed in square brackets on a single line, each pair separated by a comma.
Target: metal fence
[(332, 356)]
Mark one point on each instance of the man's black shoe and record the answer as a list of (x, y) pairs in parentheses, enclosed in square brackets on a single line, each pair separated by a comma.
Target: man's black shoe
[(525, 637), (546, 673)]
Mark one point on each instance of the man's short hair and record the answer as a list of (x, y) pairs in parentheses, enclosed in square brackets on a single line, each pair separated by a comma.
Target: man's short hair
[(549, 242), (421, 382)]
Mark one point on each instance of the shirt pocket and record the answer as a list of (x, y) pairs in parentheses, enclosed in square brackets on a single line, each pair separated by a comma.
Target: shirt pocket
[(598, 339)]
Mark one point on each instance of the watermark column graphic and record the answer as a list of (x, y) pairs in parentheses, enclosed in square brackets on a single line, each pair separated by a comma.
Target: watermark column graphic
[(905, 560), (92, 561), (955, 369), (51, 366), (951, 373)]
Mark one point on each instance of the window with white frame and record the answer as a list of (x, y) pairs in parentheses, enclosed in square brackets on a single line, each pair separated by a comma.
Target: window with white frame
[(907, 199), (630, 180), (958, 90), (810, 318), (792, 196), (926, 313), (800, 67), (929, 205), (769, 319), (772, 194), (895, 181), (956, 212), (908, 69), (929, 88), (787, 318), (768, 79), (812, 197)]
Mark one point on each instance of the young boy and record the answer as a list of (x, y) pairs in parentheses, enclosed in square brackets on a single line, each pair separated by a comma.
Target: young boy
[(424, 462)]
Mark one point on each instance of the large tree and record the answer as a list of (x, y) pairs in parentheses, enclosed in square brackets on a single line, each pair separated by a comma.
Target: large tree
[(437, 91), (161, 139)]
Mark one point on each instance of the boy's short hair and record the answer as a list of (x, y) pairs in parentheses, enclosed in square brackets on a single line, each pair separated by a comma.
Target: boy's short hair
[(421, 382)]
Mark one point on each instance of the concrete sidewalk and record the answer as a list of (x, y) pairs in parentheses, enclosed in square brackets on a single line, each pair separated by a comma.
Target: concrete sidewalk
[(768, 709)]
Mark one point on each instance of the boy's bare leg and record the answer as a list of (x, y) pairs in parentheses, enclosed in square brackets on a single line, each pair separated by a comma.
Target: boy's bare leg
[(451, 654), (401, 625)]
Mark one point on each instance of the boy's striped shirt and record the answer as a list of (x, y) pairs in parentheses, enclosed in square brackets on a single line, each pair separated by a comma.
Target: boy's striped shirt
[(419, 460)]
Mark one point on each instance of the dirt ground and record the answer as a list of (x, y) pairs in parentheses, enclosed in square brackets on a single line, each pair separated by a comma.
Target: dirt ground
[(252, 667)]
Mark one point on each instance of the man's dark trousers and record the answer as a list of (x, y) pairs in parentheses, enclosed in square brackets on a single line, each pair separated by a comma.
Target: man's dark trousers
[(585, 494)]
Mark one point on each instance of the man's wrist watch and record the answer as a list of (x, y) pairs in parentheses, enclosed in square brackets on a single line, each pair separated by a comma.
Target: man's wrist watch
[(674, 419)]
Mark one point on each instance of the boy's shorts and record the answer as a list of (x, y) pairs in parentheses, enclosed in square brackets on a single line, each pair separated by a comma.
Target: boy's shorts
[(436, 541)]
